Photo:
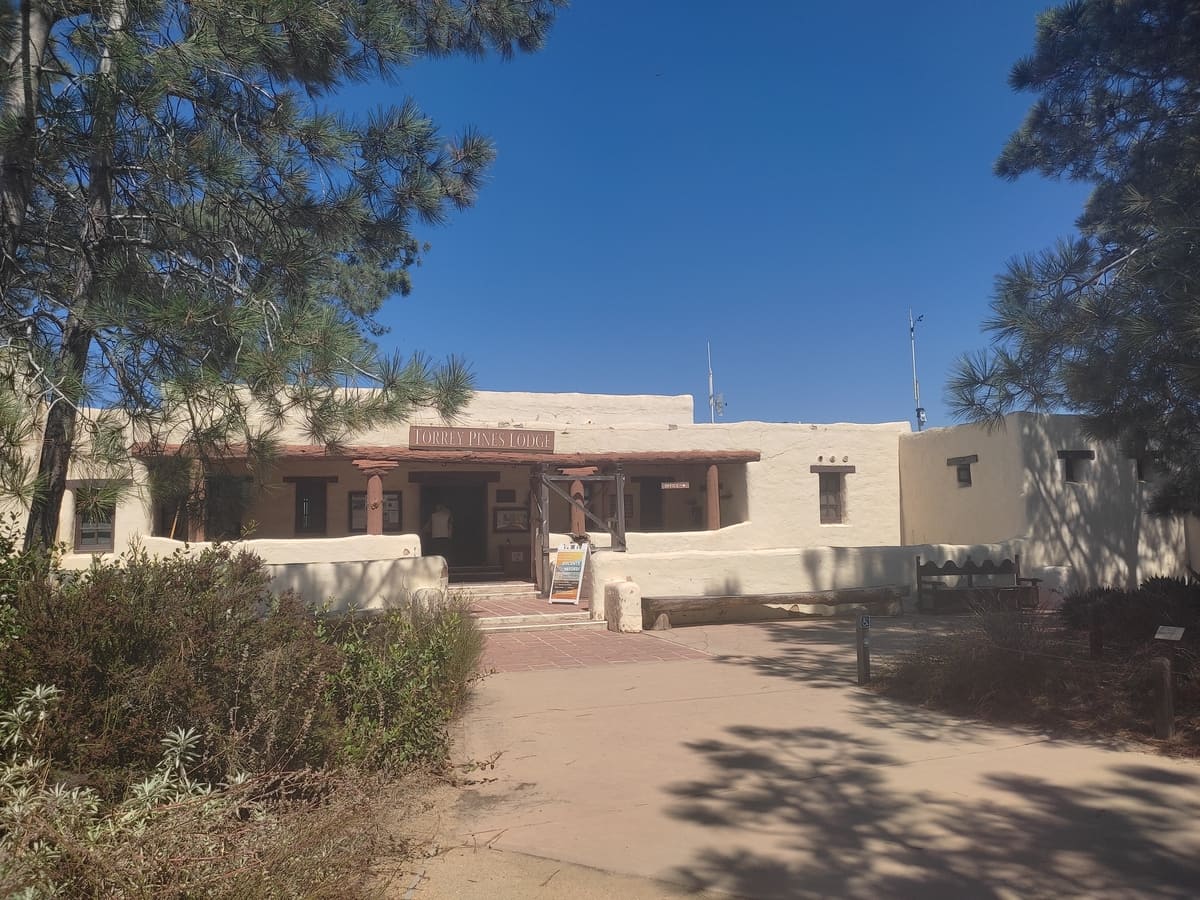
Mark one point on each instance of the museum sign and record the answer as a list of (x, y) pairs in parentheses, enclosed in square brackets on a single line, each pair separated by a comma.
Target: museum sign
[(441, 437)]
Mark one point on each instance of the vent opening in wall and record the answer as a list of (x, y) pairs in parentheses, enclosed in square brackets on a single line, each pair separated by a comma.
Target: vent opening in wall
[(962, 468)]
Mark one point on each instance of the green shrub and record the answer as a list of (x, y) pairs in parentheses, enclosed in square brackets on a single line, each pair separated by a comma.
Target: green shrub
[(148, 645), (403, 677)]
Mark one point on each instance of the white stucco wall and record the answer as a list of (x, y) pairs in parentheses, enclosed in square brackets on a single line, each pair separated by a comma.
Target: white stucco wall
[(1097, 530), (546, 411), (935, 508), (1099, 526), (779, 571), (781, 493), (368, 572)]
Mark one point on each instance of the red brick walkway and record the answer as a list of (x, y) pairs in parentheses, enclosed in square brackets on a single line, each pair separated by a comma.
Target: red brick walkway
[(518, 605), (571, 648)]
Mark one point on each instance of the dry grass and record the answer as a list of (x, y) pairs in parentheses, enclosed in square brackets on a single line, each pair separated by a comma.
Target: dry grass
[(309, 834), (1026, 669)]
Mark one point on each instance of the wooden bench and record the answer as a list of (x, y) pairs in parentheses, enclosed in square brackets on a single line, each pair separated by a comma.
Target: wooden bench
[(935, 595), (657, 611)]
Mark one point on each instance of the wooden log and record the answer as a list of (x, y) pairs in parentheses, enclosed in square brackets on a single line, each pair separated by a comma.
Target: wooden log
[(1164, 701)]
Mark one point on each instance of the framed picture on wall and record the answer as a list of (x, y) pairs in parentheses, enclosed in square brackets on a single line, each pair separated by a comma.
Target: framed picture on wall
[(514, 519)]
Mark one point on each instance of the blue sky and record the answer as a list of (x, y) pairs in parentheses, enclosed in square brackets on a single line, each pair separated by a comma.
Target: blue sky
[(785, 178)]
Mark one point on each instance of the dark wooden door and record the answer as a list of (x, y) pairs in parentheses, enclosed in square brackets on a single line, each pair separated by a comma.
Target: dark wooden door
[(468, 506), (651, 512)]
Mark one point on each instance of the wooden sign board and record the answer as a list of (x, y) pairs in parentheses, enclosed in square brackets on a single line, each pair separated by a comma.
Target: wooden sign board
[(566, 578), (442, 437), (1168, 633)]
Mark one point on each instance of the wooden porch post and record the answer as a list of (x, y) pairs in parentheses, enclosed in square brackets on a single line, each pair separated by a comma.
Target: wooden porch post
[(578, 522), (374, 470), (543, 551), (374, 503), (714, 498)]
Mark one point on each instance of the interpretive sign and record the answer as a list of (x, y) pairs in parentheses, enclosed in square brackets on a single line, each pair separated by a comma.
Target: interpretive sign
[(566, 580), (443, 437), (1168, 633)]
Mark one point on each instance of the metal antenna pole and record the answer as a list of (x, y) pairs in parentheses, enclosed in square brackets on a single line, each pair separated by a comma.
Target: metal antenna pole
[(712, 397), (912, 340)]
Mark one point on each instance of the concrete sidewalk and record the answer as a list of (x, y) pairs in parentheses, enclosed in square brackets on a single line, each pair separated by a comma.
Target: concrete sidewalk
[(762, 771)]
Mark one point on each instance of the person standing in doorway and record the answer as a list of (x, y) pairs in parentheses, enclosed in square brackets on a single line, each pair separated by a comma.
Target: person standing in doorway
[(440, 529)]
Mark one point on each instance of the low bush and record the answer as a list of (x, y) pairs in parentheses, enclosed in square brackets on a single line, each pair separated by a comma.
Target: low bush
[(189, 641), (320, 711), (1131, 617), (403, 677), (147, 645)]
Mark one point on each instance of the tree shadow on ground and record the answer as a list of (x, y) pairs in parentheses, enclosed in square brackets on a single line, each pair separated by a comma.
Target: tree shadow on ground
[(820, 653), (817, 812)]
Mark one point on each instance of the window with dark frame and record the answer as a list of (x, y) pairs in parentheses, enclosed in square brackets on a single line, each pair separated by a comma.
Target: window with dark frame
[(1075, 464), (832, 488), (393, 508), (95, 522), (963, 474)]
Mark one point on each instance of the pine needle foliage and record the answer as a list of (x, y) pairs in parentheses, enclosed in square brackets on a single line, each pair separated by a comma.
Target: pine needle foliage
[(191, 229), (1106, 322)]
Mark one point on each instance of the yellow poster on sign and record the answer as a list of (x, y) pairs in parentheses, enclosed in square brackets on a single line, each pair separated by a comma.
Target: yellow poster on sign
[(566, 580)]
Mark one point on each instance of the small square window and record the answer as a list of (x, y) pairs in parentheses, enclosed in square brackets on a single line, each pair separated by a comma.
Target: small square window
[(1074, 470), (964, 475), (832, 488), (94, 524), (1076, 464)]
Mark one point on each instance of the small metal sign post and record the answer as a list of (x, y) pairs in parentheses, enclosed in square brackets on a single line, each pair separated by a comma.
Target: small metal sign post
[(1160, 670), (862, 640)]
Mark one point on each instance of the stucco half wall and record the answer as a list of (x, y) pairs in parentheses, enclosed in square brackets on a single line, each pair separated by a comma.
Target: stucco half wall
[(779, 571), (365, 572)]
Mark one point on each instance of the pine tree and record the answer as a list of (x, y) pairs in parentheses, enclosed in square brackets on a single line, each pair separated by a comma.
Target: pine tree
[(1106, 323), (191, 229)]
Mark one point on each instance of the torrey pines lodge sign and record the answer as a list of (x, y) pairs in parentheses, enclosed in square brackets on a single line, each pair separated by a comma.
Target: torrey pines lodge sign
[(440, 437)]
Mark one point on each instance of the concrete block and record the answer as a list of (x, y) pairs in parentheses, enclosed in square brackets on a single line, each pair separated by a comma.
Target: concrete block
[(623, 606)]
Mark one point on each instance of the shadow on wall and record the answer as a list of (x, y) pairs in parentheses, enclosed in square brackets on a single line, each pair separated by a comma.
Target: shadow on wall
[(782, 571), (372, 585), (1097, 524), (814, 812)]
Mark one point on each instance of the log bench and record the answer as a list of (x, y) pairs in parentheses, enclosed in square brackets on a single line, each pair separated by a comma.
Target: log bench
[(657, 611), (935, 594)]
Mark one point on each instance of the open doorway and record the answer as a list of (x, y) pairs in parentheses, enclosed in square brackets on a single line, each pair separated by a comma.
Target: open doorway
[(467, 504)]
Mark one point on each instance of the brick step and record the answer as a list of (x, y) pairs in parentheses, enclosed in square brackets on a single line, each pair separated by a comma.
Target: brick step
[(549, 622), (484, 590)]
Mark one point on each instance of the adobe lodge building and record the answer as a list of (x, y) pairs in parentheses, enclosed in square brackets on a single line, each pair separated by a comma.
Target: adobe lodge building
[(682, 509)]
